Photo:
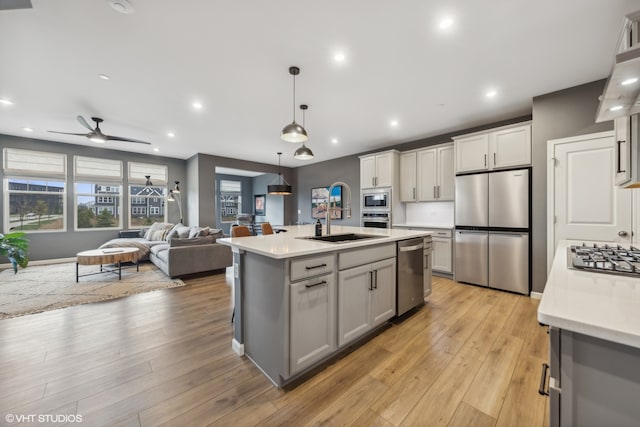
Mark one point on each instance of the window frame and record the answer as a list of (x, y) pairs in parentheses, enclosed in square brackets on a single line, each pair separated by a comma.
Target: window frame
[(112, 195), (7, 201), (161, 198)]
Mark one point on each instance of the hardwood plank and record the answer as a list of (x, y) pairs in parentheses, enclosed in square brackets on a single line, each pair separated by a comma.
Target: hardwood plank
[(251, 413), (371, 419), (466, 415)]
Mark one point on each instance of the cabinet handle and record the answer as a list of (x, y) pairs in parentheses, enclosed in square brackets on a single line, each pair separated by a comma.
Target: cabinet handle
[(618, 170), (376, 283), (426, 262), (494, 159), (322, 282), (371, 280), (485, 160), (315, 266), (414, 192), (543, 380), (438, 191), (434, 191)]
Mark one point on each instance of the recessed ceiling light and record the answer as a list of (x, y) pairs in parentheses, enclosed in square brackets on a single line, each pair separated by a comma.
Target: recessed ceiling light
[(615, 108), (156, 149), (491, 94), (5, 101), (393, 123), (104, 76), (27, 129), (445, 23), (171, 134), (197, 105), (339, 57), (629, 81), (334, 140)]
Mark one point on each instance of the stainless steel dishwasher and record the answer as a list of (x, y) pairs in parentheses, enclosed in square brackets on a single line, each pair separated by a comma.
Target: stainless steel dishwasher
[(410, 274)]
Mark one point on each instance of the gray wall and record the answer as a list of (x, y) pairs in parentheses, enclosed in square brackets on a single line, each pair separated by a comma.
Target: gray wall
[(274, 206), (561, 114), (47, 245)]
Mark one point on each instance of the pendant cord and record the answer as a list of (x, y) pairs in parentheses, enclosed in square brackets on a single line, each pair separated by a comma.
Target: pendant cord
[(294, 98)]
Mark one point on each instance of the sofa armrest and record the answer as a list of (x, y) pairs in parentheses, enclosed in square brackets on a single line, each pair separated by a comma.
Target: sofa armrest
[(197, 258)]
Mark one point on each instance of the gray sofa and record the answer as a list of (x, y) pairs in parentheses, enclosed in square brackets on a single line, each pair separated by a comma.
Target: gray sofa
[(179, 250)]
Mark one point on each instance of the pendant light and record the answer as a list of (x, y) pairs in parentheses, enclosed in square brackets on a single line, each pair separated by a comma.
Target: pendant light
[(304, 152), (293, 132), (282, 188)]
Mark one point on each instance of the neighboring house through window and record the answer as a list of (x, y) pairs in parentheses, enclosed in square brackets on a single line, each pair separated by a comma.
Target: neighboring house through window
[(147, 203), (95, 177)]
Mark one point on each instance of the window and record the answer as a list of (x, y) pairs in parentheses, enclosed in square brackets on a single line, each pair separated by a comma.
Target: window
[(98, 204), (35, 190), (147, 202), (230, 200)]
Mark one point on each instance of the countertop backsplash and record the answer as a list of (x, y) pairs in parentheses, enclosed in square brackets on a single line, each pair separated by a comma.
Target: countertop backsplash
[(435, 214)]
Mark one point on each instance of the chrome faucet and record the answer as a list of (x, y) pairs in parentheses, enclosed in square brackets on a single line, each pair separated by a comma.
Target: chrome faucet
[(334, 208)]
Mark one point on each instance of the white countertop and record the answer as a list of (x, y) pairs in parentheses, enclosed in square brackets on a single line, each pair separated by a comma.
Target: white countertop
[(605, 306), (288, 245), (424, 225)]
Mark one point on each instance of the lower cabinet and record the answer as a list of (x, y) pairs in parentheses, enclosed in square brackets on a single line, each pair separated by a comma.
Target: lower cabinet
[(366, 298), (312, 321), (442, 250)]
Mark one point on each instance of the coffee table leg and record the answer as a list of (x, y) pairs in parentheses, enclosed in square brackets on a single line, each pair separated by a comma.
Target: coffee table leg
[(76, 272), (119, 270)]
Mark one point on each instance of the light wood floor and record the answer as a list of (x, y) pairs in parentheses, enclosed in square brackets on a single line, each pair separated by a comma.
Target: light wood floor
[(470, 357)]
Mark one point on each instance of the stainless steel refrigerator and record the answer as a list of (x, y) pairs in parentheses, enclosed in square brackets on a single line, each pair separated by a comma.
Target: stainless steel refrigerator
[(492, 220)]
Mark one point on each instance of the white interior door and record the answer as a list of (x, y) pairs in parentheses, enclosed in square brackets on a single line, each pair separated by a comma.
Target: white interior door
[(584, 202)]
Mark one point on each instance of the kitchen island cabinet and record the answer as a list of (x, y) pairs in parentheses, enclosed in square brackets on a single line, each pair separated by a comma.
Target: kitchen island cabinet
[(442, 244), (293, 295), (594, 352)]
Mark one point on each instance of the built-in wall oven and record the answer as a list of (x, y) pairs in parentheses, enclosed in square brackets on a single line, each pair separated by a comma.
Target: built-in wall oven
[(375, 219), (378, 199)]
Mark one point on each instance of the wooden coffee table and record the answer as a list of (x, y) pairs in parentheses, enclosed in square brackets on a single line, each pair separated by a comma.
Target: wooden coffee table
[(115, 256)]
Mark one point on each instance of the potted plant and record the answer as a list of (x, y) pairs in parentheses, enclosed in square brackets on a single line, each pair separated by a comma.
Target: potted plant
[(15, 247)]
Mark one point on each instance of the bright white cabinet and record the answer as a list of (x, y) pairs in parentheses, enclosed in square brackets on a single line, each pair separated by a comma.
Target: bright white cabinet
[(494, 149), (441, 255), (377, 170), (427, 175), (313, 319), (367, 298)]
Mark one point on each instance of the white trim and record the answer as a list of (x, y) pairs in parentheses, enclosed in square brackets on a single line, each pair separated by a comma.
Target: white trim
[(551, 148), (237, 347), (42, 262), (536, 295)]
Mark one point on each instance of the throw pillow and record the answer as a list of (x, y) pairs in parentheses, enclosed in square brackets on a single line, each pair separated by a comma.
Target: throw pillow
[(174, 231), (183, 232), (195, 232), (158, 235)]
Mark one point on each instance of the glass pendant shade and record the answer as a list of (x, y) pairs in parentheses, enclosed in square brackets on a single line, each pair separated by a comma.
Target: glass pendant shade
[(293, 132), (303, 153)]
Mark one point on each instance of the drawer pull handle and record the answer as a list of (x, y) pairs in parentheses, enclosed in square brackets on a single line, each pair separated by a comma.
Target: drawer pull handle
[(543, 380), (322, 282), (316, 266)]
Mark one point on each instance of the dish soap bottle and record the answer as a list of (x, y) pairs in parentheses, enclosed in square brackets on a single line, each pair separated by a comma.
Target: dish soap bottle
[(318, 228)]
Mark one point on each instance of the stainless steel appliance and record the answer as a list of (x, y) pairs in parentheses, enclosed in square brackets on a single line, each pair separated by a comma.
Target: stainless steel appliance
[(378, 199), (376, 219), (492, 217), (411, 271), (605, 259)]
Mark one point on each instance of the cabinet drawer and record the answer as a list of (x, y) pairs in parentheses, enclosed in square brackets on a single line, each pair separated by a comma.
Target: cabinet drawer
[(366, 255), (441, 233), (302, 268)]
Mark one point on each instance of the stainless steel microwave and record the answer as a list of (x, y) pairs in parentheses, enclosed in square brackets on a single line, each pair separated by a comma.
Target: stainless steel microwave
[(376, 200)]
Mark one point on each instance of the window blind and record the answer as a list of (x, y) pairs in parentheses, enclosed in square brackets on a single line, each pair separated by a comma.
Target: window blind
[(39, 163), (138, 172), (230, 186), (91, 167)]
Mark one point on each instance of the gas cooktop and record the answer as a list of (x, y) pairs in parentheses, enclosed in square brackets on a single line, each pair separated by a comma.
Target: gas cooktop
[(605, 259)]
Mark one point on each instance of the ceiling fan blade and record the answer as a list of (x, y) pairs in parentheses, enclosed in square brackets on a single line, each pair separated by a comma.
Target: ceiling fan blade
[(69, 133), (117, 138), (84, 123)]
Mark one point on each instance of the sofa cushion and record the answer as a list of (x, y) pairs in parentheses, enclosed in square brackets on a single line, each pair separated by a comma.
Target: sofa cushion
[(155, 249), (192, 242), (157, 235), (157, 226), (196, 232), (174, 231), (183, 231)]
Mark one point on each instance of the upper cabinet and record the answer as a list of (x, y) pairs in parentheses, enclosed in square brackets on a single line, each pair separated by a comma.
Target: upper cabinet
[(427, 175), (622, 91), (377, 170), (500, 148), (627, 154)]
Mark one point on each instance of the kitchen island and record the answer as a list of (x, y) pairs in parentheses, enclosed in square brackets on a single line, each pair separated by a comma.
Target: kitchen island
[(594, 331), (299, 301)]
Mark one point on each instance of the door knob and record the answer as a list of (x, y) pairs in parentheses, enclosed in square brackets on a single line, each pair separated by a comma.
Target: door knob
[(622, 233)]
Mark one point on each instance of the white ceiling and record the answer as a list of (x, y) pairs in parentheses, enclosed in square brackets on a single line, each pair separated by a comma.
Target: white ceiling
[(233, 56)]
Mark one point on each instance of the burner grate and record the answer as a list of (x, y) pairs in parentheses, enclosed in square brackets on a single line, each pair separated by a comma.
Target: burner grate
[(605, 259)]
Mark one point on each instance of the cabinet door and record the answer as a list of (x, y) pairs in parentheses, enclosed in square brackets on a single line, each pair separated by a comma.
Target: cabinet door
[(367, 172), (510, 147), (354, 286), (312, 327), (408, 177), (427, 175), (446, 173), (472, 153), (384, 170), (442, 255), (427, 260), (623, 151), (383, 296)]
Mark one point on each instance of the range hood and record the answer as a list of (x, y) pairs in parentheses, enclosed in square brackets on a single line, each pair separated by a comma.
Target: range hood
[(618, 99)]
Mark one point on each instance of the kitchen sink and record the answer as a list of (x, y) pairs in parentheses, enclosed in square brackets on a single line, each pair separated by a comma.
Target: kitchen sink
[(341, 238)]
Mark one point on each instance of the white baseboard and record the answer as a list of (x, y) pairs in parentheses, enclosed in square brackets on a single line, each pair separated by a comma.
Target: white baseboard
[(237, 347), (42, 262), (536, 295)]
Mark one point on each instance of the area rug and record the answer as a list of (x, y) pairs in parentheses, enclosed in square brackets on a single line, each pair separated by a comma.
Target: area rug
[(49, 287)]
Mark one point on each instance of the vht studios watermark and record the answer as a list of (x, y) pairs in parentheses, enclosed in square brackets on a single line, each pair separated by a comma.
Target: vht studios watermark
[(43, 418)]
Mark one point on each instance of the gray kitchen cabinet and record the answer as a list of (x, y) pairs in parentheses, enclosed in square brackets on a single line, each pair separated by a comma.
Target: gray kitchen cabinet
[(592, 382), (427, 175), (378, 170), (383, 296), (428, 256), (312, 328), (442, 254)]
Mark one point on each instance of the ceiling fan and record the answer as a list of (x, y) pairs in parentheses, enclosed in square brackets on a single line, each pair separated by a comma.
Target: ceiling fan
[(96, 134)]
